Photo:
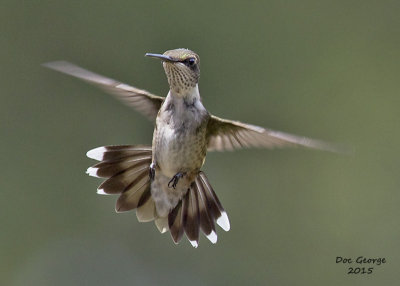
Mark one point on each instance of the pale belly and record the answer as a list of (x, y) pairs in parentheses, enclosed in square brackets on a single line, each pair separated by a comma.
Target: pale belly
[(182, 151), (179, 146)]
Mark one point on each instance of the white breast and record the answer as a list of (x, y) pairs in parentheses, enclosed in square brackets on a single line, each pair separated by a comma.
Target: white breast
[(178, 140)]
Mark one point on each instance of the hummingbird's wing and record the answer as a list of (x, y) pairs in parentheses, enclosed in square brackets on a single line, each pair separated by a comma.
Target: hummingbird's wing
[(223, 134), (142, 100)]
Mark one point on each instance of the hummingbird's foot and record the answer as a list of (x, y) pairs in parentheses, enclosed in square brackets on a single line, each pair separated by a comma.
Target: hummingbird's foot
[(152, 171), (175, 179)]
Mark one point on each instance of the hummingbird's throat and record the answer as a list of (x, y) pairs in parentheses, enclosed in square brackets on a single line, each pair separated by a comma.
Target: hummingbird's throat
[(181, 81)]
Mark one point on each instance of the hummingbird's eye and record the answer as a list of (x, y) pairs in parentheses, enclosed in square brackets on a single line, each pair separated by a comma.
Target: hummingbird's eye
[(190, 62)]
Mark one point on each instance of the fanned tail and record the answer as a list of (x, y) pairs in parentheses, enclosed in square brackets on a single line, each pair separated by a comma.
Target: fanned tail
[(126, 169), (199, 209)]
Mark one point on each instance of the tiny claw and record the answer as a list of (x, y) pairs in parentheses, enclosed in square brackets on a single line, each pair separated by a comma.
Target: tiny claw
[(175, 179), (174, 182), (152, 172)]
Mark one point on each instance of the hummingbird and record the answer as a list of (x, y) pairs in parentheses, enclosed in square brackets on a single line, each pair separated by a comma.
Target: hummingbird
[(164, 181)]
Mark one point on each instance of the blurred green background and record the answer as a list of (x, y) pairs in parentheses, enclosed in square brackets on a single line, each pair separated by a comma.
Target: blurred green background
[(324, 69)]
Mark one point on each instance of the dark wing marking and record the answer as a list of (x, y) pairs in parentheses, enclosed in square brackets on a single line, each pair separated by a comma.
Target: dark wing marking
[(142, 100)]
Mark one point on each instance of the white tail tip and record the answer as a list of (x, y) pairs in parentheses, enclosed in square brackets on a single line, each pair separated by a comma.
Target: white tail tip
[(212, 237), (96, 153), (101, 192), (194, 243), (223, 221), (92, 172)]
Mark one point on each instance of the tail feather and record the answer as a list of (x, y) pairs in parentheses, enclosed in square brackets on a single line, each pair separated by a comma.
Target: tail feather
[(191, 216), (175, 223), (214, 205), (162, 224), (206, 220), (126, 169), (199, 209), (146, 210), (107, 169), (126, 180), (131, 199), (112, 153)]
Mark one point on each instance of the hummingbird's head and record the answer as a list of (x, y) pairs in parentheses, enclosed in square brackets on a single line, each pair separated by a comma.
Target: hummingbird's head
[(182, 68)]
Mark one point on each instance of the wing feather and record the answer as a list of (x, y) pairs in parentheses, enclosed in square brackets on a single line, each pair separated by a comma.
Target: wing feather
[(223, 134), (143, 101)]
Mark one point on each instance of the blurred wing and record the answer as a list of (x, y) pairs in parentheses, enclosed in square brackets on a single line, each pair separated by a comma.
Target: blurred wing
[(143, 101), (225, 134)]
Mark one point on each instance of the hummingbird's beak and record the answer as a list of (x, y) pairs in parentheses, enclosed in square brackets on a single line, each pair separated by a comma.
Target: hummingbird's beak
[(162, 57)]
